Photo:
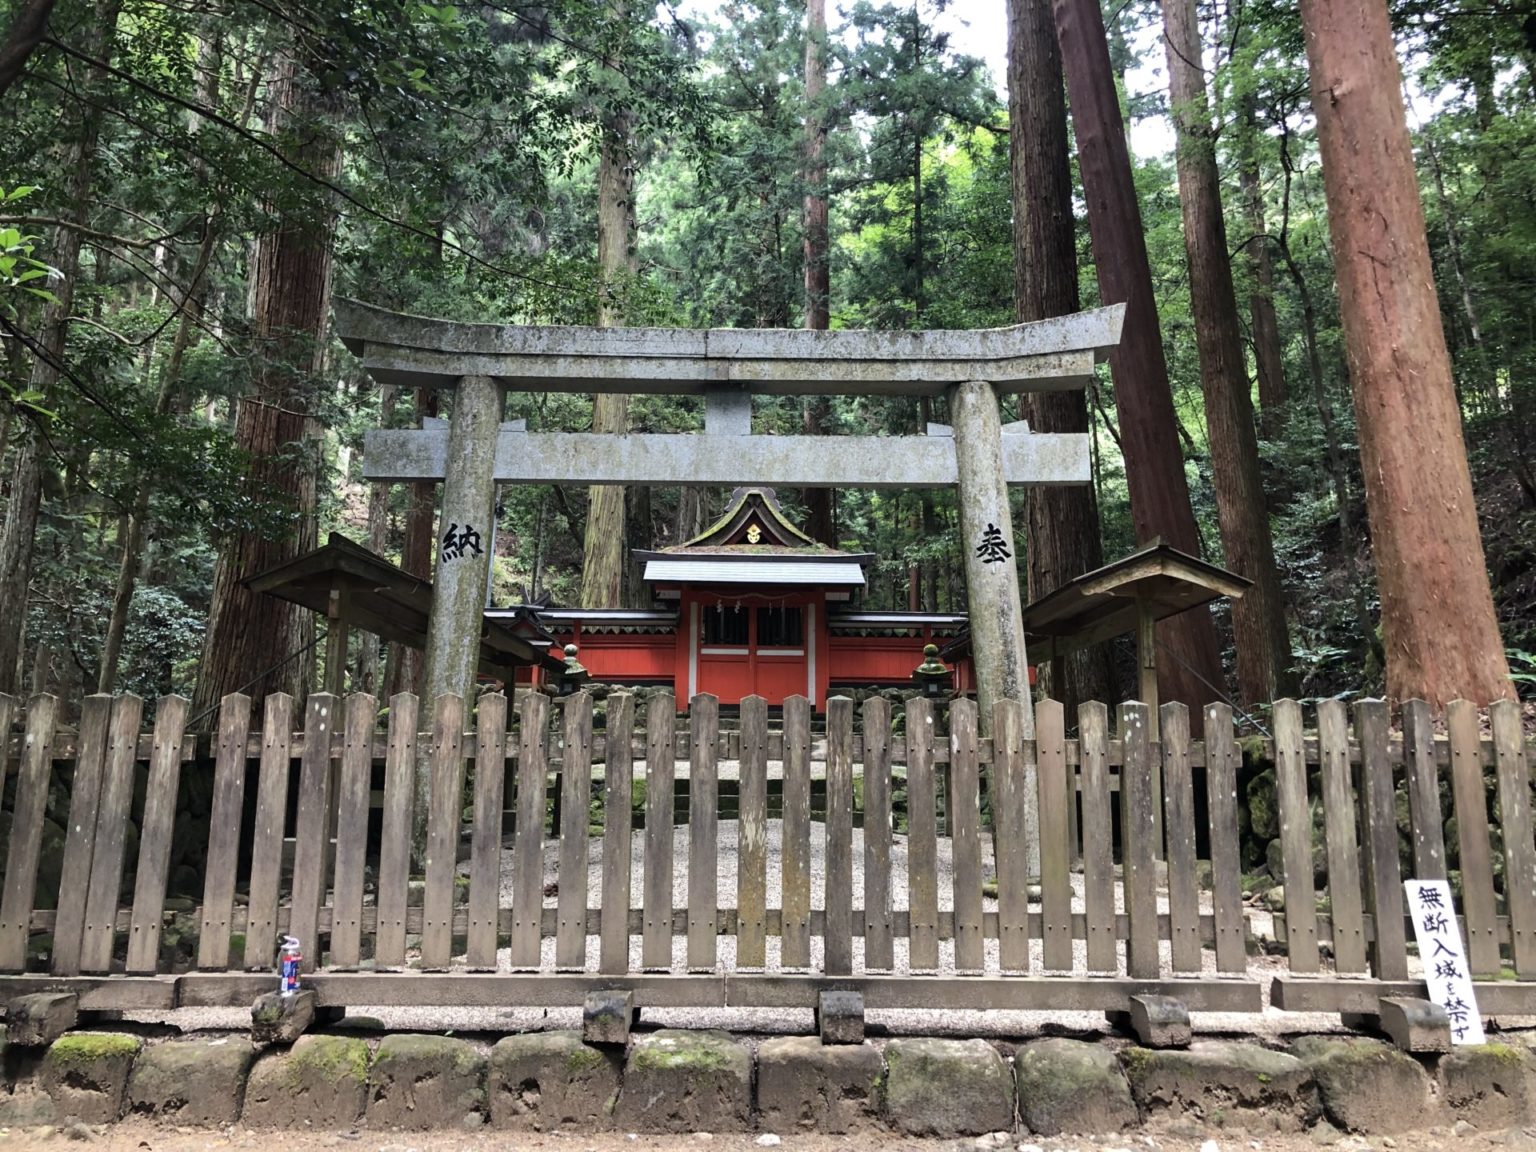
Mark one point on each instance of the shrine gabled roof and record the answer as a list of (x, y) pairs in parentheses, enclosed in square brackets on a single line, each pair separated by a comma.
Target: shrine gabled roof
[(747, 507)]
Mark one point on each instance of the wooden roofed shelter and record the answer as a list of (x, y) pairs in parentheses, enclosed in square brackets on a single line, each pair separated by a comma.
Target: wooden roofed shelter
[(352, 587)]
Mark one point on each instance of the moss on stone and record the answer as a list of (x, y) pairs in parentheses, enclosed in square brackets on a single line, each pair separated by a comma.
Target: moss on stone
[(80, 1048), (699, 1052), (331, 1057), (584, 1059), (1138, 1062)]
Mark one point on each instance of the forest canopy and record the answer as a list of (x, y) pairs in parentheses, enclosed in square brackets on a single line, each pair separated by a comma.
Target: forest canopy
[(183, 187)]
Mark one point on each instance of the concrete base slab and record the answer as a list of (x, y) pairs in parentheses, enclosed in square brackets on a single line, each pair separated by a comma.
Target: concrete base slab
[(676, 1081), (805, 1085), (947, 1088), (320, 1082), (86, 1074), (38, 1019), (545, 1080), (840, 1017), (191, 1081), (1072, 1086), (420, 1082), (1367, 1086), (1221, 1082)]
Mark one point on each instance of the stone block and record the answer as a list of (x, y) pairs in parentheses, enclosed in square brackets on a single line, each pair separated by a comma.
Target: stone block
[(421, 1082), (39, 1018), (1157, 1021), (546, 1080), (1415, 1025), (1488, 1085), (191, 1081), (1220, 1082), (808, 1086), (319, 1082), (676, 1081), (1072, 1086), (840, 1017), (607, 1016), (279, 1019), (947, 1088), (23, 1103), (1367, 1086), (86, 1074)]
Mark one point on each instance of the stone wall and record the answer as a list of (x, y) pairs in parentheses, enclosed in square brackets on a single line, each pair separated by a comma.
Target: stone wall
[(692, 1081)]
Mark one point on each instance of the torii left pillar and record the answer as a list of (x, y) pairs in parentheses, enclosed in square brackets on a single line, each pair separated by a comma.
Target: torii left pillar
[(463, 561), (992, 576)]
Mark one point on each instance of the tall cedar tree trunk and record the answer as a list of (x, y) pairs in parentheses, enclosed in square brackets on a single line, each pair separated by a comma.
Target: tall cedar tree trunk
[(134, 526), (1063, 521), (820, 521), (18, 538), (602, 561), (255, 643), (1258, 617), (406, 667), (1188, 659), (1438, 623), (1267, 354), (28, 27)]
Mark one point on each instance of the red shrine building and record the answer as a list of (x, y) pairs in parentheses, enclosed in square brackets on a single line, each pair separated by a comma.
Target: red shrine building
[(751, 606)]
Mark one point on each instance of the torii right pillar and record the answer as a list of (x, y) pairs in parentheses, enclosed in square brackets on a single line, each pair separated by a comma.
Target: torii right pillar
[(992, 576)]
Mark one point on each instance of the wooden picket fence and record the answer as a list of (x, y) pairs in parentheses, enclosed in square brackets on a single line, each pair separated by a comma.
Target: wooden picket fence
[(310, 834)]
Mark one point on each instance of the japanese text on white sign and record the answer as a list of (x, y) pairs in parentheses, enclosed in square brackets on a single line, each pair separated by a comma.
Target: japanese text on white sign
[(1445, 959)]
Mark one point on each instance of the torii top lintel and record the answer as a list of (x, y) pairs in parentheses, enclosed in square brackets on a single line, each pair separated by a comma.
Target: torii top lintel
[(417, 351)]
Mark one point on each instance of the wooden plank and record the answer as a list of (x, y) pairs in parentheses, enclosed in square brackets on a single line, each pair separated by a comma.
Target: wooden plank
[(879, 949), (224, 822), (310, 835), (353, 791), (660, 768), (703, 830), (1010, 836), (445, 806), (267, 837), (1138, 826), (1515, 819), (1098, 837), (153, 868), (752, 837), (1055, 835), (395, 830), (1423, 791), (528, 844), (80, 836), (575, 812), (485, 834), (1222, 759), (618, 781), (112, 813), (1179, 825), (1389, 950), (1295, 838), (26, 838), (922, 838), (795, 934), (838, 894), (1472, 834), (1345, 898)]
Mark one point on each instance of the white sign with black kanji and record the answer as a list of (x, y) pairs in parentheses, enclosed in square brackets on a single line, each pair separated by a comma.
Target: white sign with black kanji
[(1445, 958)]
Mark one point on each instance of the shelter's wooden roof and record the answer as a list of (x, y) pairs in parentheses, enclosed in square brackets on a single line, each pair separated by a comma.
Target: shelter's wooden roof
[(1101, 604), (384, 599)]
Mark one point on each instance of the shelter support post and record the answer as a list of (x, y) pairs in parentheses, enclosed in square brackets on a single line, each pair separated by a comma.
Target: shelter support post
[(992, 575), (463, 558)]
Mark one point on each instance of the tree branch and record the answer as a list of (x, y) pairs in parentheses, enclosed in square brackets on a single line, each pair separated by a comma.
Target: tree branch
[(27, 32)]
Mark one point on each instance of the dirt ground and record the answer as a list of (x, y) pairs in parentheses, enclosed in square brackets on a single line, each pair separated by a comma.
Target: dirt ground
[(1182, 1136)]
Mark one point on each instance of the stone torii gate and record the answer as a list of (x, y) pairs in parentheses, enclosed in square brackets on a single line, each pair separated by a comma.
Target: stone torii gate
[(978, 455)]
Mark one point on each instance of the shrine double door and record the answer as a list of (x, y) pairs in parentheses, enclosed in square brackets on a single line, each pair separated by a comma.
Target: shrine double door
[(740, 647)]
